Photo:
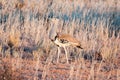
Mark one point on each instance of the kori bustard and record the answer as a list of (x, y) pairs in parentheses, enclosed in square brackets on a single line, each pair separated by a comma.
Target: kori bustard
[(64, 40)]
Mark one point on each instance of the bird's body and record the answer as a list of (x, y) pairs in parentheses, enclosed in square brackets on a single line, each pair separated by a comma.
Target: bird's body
[(64, 40)]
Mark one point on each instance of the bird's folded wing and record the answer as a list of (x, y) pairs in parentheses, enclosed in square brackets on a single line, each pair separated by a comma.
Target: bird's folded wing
[(64, 41)]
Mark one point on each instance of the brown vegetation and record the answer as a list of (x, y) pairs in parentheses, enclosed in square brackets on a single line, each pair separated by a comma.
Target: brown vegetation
[(26, 27)]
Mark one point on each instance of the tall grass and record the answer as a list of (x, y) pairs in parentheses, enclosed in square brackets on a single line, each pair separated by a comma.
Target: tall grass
[(31, 23)]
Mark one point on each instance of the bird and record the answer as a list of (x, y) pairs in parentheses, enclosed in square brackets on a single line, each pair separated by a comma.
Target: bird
[(64, 40)]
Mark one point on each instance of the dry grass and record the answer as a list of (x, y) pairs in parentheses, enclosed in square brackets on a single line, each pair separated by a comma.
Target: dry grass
[(27, 26)]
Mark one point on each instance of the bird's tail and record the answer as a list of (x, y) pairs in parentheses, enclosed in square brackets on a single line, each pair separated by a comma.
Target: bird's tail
[(80, 47)]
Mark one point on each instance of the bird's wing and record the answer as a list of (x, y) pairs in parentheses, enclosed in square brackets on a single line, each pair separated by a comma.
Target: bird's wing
[(64, 41), (69, 38)]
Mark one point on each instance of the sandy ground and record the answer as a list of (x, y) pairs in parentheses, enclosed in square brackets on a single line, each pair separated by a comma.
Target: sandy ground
[(28, 69)]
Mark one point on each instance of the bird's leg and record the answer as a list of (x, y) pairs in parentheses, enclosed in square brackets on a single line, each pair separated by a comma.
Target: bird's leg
[(58, 54), (66, 54)]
